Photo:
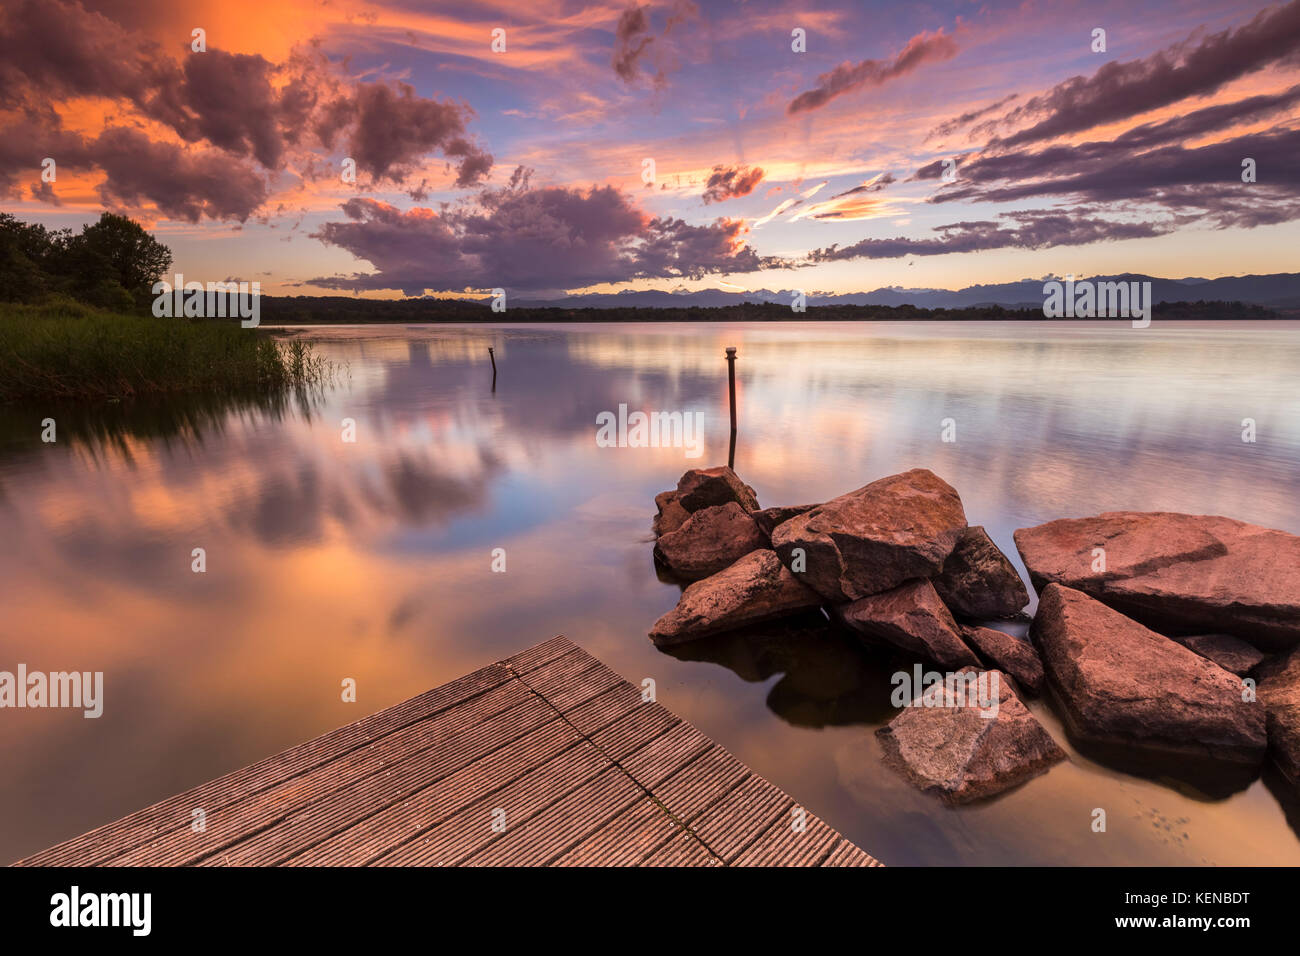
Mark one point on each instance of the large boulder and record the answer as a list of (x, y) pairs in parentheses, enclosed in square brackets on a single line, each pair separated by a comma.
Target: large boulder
[(671, 515), (875, 538), (708, 541), (1008, 653), (769, 518), (710, 487), (1279, 692), (756, 588), (978, 582), (1179, 574), (1126, 688), (913, 618), (952, 743)]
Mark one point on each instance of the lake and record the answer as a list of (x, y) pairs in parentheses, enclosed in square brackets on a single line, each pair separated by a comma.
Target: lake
[(372, 560)]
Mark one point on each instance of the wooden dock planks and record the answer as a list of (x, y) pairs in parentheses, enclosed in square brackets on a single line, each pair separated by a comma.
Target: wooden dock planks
[(545, 758)]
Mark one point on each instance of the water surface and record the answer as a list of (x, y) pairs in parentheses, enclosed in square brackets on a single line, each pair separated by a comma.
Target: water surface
[(372, 560)]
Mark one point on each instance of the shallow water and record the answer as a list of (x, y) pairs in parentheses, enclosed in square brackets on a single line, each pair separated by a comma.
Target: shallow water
[(372, 560)]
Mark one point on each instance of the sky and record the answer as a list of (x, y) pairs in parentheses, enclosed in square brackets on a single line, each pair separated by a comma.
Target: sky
[(410, 147)]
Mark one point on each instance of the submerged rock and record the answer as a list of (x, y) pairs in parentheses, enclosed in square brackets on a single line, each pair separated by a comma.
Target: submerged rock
[(769, 518), (1279, 692), (1184, 574), (962, 749), (875, 538), (1228, 652), (913, 618), (1010, 654), (756, 588), (708, 541), (671, 515), (1121, 685), (710, 487), (978, 582)]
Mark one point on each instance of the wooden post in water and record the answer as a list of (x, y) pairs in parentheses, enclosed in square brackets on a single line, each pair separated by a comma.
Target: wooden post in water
[(492, 357), (731, 386)]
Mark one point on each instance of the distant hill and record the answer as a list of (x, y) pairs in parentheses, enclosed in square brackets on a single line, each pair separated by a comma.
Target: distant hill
[(1278, 291)]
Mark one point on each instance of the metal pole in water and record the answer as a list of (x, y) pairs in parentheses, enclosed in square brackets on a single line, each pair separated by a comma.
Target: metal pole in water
[(493, 358), (731, 385)]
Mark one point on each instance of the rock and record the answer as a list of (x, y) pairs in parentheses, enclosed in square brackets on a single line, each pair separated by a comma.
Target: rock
[(755, 588), (951, 749), (978, 582), (913, 618), (1010, 654), (671, 514), (1121, 685), (1176, 573), (1279, 692), (710, 487), (1225, 650), (875, 538), (769, 518), (708, 541)]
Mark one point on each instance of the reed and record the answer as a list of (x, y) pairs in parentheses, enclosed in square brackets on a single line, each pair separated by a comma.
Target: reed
[(65, 349)]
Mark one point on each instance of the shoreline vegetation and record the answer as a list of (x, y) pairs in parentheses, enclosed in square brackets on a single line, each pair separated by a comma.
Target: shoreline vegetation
[(64, 349), (76, 323)]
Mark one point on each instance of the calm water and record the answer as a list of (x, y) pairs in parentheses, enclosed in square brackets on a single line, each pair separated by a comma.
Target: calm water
[(371, 560)]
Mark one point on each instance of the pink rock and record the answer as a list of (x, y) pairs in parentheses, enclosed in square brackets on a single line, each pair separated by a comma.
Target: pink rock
[(913, 618), (756, 588), (708, 541), (1184, 574), (875, 538)]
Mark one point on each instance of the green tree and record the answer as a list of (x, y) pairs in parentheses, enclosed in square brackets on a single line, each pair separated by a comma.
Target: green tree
[(120, 250)]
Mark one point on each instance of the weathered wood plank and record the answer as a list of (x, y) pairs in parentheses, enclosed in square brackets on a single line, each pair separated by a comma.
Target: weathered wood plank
[(175, 812), (546, 758)]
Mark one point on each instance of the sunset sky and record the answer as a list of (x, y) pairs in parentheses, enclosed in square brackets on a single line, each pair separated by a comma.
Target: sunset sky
[(525, 168)]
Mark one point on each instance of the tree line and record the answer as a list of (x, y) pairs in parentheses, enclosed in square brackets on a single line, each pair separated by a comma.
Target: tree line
[(112, 263)]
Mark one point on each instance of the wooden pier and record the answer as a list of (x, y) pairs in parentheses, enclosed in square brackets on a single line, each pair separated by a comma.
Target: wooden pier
[(545, 758)]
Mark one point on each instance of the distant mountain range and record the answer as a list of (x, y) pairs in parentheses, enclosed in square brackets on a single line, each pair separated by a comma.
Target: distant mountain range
[(1278, 291)]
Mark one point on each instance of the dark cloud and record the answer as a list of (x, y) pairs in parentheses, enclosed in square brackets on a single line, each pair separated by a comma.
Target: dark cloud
[(965, 119), (922, 48), (636, 51), (522, 238), (1034, 229), (1174, 177), (230, 107), (729, 182), (1120, 90), (631, 40), (394, 129), (183, 183)]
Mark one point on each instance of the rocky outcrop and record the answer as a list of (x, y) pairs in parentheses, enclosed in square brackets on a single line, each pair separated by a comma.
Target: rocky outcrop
[(756, 588), (671, 514), (708, 541), (1010, 654), (1120, 685), (710, 487), (1225, 650), (875, 538), (912, 618), (961, 749), (1279, 692), (1176, 573), (769, 518), (978, 582)]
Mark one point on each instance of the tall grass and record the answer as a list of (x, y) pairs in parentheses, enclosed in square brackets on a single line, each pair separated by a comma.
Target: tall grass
[(65, 349)]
